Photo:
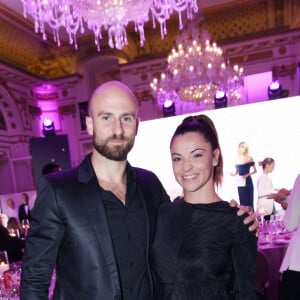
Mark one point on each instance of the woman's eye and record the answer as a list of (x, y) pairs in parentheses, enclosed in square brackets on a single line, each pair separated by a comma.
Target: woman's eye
[(175, 159)]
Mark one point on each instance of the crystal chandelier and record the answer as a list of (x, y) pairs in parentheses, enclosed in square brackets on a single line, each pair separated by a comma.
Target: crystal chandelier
[(196, 71), (112, 16)]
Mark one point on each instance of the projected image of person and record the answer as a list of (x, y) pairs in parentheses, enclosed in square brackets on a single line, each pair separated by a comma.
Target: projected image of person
[(202, 249), (265, 189), (244, 168)]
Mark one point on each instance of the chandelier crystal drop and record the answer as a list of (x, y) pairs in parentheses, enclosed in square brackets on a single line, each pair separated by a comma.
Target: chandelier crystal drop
[(112, 16), (196, 70)]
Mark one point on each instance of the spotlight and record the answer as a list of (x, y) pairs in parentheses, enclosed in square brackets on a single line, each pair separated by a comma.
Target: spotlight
[(48, 128), (276, 92), (169, 108), (220, 99)]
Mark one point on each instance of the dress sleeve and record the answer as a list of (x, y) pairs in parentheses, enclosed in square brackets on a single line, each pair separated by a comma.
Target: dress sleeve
[(292, 215), (244, 256)]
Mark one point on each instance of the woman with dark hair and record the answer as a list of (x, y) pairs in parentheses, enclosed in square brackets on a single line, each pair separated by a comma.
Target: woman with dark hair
[(202, 249), (14, 228), (13, 245)]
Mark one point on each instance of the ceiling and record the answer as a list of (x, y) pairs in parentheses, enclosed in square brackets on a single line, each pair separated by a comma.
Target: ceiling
[(227, 21)]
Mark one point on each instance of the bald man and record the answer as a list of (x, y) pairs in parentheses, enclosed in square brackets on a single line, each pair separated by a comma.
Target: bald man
[(95, 223)]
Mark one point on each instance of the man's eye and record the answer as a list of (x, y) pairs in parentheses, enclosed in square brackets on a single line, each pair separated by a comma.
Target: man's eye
[(128, 119)]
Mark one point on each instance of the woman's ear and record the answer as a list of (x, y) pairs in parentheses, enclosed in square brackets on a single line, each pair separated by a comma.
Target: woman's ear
[(89, 125), (216, 155)]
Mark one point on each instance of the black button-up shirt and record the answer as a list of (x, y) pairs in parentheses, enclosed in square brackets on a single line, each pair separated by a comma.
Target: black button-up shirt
[(128, 230)]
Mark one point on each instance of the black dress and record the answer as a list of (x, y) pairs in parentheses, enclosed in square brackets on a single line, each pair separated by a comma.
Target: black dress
[(246, 192), (203, 252)]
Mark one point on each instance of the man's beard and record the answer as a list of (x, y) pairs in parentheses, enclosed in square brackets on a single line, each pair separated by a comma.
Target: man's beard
[(117, 153)]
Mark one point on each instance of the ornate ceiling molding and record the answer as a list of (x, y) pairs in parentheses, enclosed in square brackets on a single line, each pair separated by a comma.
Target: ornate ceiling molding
[(227, 23)]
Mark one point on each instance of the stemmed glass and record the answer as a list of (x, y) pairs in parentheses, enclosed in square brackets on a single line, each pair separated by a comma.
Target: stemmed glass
[(25, 226), (261, 213)]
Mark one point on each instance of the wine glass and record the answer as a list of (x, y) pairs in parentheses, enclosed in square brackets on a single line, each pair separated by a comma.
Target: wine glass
[(261, 213), (25, 225)]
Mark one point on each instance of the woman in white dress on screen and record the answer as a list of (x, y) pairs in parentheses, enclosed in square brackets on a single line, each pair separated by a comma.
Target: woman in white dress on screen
[(265, 189)]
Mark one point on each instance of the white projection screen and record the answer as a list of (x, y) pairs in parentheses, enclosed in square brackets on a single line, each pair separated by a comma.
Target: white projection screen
[(270, 128)]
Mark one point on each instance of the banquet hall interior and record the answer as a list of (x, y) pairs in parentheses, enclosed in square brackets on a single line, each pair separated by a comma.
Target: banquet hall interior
[(45, 87)]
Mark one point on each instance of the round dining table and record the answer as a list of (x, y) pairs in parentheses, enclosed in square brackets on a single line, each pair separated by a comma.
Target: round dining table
[(274, 247)]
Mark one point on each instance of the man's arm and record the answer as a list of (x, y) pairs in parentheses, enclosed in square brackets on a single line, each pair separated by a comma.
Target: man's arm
[(280, 196), (41, 245), (291, 218)]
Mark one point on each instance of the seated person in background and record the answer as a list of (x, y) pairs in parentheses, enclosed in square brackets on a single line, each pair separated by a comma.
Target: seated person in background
[(12, 245), (11, 210), (13, 227), (3, 220)]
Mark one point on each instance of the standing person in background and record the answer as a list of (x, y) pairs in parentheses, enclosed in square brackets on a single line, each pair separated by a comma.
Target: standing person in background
[(96, 222), (244, 168), (24, 209), (12, 244), (265, 189), (202, 250), (290, 287)]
